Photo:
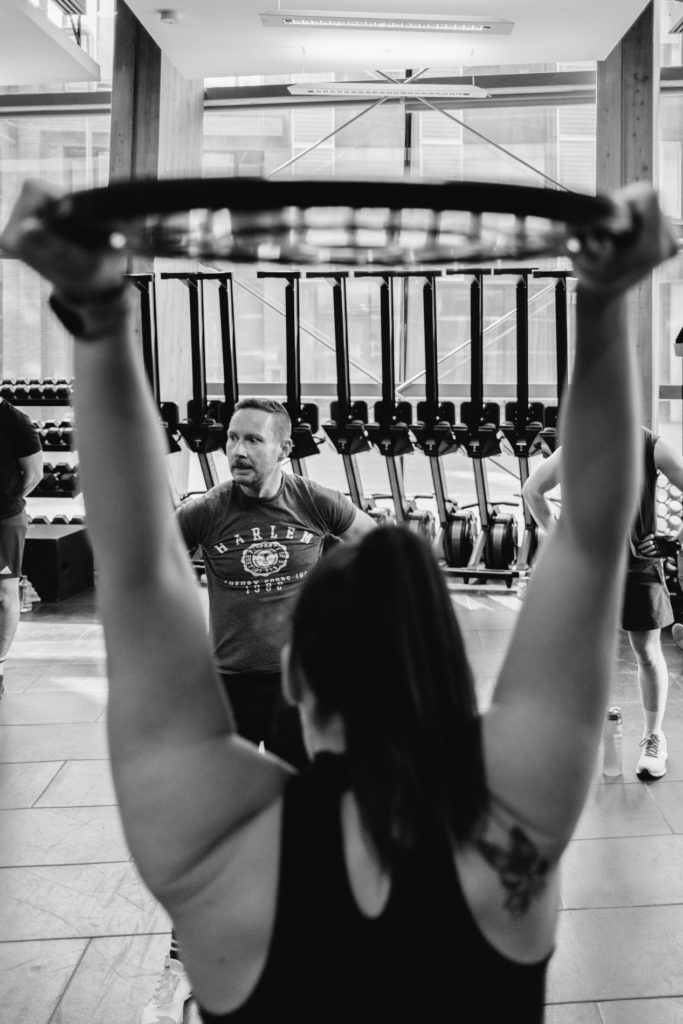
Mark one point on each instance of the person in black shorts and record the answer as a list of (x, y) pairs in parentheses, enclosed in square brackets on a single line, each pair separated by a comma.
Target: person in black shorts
[(646, 606), (420, 851), (21, 469)]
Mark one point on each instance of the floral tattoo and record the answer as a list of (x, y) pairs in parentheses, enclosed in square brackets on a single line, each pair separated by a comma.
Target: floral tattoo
[(521, 868)]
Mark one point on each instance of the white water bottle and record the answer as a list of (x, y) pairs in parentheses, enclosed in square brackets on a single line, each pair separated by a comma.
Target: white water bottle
[(522, 583), (611, 743), (24, 595)]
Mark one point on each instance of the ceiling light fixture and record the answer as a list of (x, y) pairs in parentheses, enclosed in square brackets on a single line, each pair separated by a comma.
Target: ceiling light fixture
[(386, 22), (385, 90)]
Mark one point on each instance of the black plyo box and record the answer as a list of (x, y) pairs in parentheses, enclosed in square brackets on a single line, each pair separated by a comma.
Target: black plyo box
[(58, 560)]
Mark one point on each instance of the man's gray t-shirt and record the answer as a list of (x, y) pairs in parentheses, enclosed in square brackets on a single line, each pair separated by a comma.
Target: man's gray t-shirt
[(257, 553)]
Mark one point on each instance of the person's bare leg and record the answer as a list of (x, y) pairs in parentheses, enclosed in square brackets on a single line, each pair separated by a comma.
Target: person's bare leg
[(653, 682), (9, 619)]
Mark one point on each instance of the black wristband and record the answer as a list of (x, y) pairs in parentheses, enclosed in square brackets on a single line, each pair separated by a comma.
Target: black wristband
[(89, 319)]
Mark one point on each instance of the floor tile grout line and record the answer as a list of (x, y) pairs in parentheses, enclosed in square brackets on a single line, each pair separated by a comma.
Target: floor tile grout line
[(89, 938), (68, 983), (65, 864), (47, 786), (55, 760)]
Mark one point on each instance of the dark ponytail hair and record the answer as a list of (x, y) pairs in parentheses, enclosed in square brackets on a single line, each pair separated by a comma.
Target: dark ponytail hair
[(376, 640)]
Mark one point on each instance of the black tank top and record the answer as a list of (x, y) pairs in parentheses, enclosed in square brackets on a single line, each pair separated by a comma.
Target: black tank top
[(423, 959), (645, 521)]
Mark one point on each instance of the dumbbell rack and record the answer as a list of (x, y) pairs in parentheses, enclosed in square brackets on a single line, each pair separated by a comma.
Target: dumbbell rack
[(61, 479)]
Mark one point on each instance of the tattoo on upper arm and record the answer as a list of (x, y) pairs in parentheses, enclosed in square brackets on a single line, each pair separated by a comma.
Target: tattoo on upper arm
[(521, 868)]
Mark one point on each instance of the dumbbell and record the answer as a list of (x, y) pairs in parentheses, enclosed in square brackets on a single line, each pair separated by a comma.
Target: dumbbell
[(51, 434), (68, 476), (50, 481), (66, 435)]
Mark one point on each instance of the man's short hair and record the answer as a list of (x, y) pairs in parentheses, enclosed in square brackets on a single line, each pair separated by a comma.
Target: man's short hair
[(282, 424)]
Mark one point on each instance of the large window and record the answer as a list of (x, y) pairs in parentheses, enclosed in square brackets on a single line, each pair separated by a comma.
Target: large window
[(68, 153), (540, 141)]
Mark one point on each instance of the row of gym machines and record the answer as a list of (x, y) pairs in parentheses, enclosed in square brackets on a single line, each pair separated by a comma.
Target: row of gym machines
[(477, 542)]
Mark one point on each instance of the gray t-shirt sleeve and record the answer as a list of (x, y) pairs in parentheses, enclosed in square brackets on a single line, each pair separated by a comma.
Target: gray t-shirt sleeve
[(191, 517), (335, 511)]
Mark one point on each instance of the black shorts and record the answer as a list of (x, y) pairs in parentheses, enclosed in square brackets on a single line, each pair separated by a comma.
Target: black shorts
[(12, 539), (647, 604)]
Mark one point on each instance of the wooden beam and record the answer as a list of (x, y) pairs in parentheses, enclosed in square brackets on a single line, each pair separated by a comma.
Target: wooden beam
[(156, 132), (627, 148)]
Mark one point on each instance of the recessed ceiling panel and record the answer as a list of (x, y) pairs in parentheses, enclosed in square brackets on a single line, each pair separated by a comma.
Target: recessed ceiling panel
[(219, 38), (34, 50)]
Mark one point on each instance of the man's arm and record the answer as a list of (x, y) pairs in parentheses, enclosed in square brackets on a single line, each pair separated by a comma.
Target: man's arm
[(544, 478), (32, 471), (186, 515), (361, 524)]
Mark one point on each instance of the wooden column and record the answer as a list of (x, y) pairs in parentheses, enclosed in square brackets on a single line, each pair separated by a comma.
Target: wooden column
[(156, 114), (156, 132), (627, 148)]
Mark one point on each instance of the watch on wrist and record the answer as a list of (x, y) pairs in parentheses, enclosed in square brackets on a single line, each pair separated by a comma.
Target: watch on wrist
[(91, 318)]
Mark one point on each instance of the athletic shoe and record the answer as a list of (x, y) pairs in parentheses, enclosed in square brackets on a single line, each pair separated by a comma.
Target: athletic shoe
[(169, 997), (652, 761), (677, 633)]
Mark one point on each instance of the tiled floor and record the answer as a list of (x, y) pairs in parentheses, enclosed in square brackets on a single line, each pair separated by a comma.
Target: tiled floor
[(81, 940)]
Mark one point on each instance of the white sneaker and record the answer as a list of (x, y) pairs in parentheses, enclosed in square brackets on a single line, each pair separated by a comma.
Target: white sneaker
[(652, 761), (677, 633), (169, 997)]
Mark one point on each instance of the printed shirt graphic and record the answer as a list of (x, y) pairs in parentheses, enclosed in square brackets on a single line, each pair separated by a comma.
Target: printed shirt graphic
[(256, 554)]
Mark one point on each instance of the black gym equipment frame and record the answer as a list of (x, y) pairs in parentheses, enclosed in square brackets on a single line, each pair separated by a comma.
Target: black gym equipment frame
[(551, 416), (478, 432), (205, 429), (390, 432), (524, 419), (145, 285), (347, 427), (304, 415), (435, 436)]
